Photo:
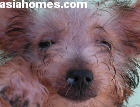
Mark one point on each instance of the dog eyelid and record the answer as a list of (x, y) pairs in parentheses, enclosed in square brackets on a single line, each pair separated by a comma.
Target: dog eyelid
[(107, 44), (45, 44)]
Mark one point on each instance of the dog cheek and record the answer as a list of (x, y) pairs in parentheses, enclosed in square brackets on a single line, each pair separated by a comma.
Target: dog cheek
[(13, 30), (130, 22)]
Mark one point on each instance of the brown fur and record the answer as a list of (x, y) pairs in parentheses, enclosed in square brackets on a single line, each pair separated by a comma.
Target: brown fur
[(103, 39)]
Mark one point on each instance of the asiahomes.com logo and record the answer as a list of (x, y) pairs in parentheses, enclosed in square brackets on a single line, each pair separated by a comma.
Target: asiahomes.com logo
[(43, 4)]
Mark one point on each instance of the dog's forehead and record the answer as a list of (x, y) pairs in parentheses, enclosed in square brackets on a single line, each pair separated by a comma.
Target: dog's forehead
[(72, 19), (77, 22)]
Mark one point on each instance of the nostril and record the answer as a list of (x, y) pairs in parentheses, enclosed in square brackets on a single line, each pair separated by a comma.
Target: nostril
[(76, 78), (88, 80)]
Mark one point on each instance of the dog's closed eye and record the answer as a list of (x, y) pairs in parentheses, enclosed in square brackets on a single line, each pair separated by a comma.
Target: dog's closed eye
[(106, 44), (45, 44)]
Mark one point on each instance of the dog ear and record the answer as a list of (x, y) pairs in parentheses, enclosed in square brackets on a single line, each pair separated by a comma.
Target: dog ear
[(13, 28), (129, 19)]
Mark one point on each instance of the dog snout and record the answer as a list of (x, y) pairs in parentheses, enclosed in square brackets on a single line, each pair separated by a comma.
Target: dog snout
[(79, 79)]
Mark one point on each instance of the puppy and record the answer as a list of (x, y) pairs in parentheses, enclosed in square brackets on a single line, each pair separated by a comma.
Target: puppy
[(70, 57)]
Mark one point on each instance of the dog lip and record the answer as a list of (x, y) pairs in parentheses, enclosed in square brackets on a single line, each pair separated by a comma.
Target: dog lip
[(78, 98), (75, 95)]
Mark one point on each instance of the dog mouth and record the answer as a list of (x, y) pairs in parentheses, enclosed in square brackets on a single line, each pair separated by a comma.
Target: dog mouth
[(77, 95)]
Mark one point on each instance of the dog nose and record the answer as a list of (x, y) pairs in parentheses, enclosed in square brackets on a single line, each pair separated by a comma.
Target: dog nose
[(79, 79)]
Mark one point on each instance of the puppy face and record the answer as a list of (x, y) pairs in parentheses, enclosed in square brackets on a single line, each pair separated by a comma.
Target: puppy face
[(83, 55), (80, 54)]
